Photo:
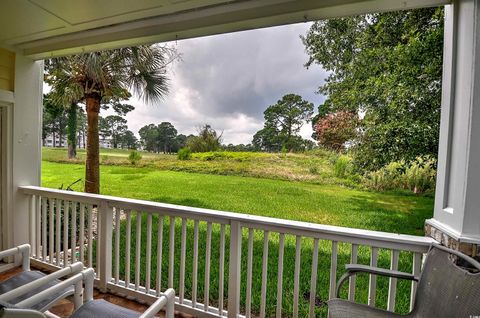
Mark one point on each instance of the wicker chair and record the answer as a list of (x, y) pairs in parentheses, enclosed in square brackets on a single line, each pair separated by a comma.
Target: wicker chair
[(444, 289)]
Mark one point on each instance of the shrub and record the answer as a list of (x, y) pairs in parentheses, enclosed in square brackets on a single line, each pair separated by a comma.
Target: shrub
[(333, 157), (343, 166), (417, 176), (184, 154), (207, 140), (313, 168), (134, 157)]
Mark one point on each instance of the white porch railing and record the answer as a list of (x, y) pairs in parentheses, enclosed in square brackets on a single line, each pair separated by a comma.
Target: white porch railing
[(220, 263)]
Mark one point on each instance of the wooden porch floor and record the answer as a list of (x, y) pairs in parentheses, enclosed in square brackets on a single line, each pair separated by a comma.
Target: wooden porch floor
[(65, 307)]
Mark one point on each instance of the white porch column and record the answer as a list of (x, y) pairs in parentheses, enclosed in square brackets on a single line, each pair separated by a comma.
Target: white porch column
[(456, 220), (26, 145)]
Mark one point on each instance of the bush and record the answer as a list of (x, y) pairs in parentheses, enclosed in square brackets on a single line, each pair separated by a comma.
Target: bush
[(134, 157), (313, 168), (333, 157), (417, 176), (184, 154), (343, 166)]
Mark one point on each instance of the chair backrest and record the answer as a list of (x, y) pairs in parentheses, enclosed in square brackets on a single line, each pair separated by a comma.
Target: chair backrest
[(445, 290)]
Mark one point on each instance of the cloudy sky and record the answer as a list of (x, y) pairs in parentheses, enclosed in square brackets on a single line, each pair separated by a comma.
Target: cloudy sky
[(229, 80)]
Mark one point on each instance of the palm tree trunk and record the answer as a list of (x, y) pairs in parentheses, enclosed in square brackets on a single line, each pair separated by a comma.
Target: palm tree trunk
[(92, 169), (72, 131)]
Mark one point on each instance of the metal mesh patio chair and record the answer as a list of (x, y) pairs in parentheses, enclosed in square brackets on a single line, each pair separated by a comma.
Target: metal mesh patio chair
[(444, 289), (14, 290)]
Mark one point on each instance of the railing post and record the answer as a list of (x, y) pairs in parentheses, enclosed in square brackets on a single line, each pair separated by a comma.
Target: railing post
[(105, 214), (234, 269)]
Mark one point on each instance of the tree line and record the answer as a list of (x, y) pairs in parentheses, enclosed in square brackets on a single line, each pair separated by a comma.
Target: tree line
[(165, 138), (66, 126)]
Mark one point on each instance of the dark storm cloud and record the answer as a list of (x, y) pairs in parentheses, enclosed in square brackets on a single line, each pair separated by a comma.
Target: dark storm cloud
[(229, 80)]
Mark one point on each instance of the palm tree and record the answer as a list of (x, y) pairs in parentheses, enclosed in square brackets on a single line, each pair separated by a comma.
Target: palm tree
[(103, 77)]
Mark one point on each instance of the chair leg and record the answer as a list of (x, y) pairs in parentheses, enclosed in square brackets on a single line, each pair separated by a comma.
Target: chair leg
[(78, 296), (170, 308)]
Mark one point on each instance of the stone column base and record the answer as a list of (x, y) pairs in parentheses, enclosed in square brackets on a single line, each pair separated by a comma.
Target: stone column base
[(469, 249)]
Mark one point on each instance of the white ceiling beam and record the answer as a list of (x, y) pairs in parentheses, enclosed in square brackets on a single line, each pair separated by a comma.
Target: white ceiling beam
[(230, 17)]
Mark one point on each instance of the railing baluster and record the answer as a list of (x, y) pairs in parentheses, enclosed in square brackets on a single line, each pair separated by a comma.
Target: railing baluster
[(221, 269), (416, 267), (171, 252), (82, 232), (333, 270), (66, 208), (90, 236), (296, 275), (281, 249), (38, 223), (51, 229), (97, 254), (313, 278), (248, 302), (128, 246), (149, 253), (372, 286), (263, 299), (353, 279), (392, 284), (208, 248), (57, 228), (138, 250), (183, 250), (159, 254), (234, 269), (32, 225), (73, 234), (44, 229), (117, 244), (195, 264)]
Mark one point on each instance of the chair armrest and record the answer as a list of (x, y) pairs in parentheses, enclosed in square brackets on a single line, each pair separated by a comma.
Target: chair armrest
[(353, 269), (86, 276), (166, 300), (72, 269), (24, 250)]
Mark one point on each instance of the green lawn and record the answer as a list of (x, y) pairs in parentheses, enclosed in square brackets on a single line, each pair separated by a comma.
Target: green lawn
[(326, 204), (300, 200)]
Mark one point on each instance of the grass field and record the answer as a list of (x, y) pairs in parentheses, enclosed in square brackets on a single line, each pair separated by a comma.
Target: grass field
[(313, 167), (158, 179)]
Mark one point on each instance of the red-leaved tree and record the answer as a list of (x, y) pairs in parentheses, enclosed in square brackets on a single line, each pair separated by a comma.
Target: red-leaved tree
[(335, 129)]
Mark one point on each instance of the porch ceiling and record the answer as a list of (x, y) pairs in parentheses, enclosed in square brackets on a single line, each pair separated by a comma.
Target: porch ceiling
[(43, 28)]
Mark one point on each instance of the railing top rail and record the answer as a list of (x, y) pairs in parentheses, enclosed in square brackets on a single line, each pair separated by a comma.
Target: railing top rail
[(360, 236)]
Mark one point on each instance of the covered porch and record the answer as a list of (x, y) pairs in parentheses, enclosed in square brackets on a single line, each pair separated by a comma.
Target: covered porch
[(63, 227)]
